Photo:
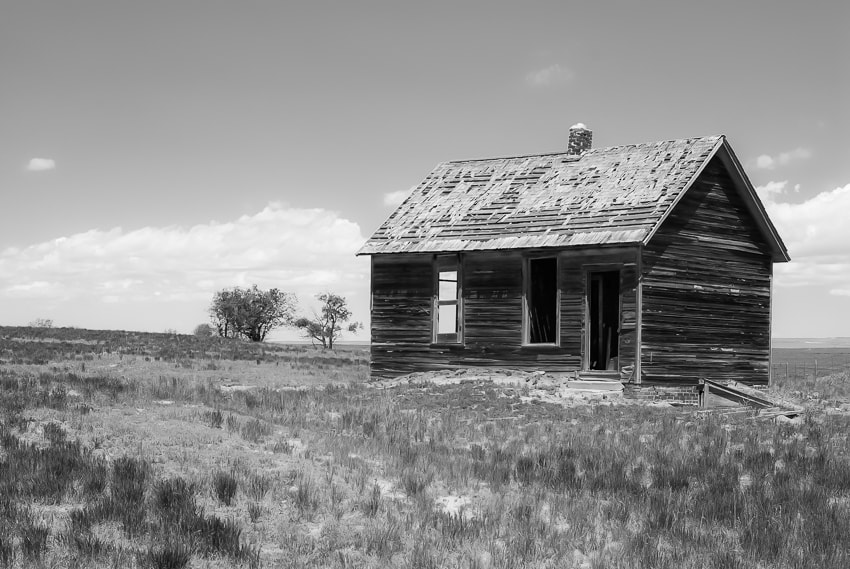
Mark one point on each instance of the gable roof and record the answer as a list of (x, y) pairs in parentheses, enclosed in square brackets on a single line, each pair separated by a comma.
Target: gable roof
[(609, 196)]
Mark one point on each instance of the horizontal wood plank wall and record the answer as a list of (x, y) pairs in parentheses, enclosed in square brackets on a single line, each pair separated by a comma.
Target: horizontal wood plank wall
[(401, 313), (706, 290), (492, 309)]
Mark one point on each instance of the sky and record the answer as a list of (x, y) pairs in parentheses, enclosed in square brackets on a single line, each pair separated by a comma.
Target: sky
[(152, 153)]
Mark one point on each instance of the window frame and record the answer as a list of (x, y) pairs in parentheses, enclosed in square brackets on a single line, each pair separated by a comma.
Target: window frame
[(447, 263), (526, 299)]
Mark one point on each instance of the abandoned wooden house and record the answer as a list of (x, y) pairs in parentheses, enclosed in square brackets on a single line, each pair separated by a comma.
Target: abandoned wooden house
[(648, 263)]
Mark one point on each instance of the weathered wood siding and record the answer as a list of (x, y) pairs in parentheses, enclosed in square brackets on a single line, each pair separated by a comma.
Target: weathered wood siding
[(706, 290), (492, 297)]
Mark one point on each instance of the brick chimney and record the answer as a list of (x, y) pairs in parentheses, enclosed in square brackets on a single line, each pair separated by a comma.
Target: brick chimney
[(580, 139)]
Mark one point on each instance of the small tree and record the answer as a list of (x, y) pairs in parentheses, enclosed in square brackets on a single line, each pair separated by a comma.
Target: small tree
[(41, 323), (250, 312), (203, 331), (328, 326)]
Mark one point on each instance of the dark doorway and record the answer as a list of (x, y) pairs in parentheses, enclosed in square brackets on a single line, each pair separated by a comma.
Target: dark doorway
[(604, 318)]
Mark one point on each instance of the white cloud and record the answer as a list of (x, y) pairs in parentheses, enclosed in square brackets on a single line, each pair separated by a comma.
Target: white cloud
[(305, 251), (41, 164), (552, 75), (767, 162), (395, 198), (816, 233), (767, 191)]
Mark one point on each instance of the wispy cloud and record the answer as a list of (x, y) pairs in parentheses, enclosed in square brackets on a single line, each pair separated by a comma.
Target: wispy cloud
[(395, 198), (41, 164), (552, 75), (767, 162), (305, 251), (816, 233)]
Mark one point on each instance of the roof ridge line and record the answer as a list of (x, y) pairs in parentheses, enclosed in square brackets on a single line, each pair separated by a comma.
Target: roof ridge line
[(577, 157)]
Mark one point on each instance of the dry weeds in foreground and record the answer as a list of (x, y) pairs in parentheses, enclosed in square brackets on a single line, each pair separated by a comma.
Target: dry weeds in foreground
[(170, 463)]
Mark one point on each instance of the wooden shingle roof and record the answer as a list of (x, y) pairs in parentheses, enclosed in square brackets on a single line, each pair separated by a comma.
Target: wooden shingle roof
[(615, 195)]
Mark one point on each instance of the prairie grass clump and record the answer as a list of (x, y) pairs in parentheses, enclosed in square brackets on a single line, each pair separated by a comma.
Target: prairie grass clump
[(214, 419), (283, 447), (217, 536), (54, 433), (372, 504), (255, 511), (46, 474), (33, 539), (127, 493), (383, 537), (173, 502), (7, 552), (422, 556), (415, 481), (94, 478), (87, 546), (232, 424), (224, 486), (255, 430), (167, 555), (257, 486), (306, 495)]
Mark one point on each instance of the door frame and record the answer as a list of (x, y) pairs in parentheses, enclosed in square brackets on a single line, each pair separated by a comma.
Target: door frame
[(589, 270)]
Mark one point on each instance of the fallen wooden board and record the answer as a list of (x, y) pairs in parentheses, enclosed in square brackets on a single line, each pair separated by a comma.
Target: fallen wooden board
[(749, 398)]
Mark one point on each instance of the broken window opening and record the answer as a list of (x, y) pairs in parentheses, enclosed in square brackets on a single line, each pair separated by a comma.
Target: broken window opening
[(447, 301), (542, 301)]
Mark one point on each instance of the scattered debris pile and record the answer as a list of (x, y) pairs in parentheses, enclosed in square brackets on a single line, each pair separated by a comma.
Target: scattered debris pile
[(536, 385)]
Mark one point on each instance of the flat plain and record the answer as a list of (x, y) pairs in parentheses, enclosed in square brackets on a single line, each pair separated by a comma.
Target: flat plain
[(123, 449)]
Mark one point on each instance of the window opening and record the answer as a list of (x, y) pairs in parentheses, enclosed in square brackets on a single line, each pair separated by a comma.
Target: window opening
[(542, 301), (447, 313)]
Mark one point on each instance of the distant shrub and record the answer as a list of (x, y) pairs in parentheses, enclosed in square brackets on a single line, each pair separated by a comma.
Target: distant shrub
[(203, 331)]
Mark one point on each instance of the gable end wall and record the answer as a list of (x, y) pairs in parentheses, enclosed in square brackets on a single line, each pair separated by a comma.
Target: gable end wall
[(706, 290)]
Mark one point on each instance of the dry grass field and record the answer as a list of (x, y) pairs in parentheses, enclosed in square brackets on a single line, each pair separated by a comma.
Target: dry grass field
[(159, 451)]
